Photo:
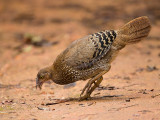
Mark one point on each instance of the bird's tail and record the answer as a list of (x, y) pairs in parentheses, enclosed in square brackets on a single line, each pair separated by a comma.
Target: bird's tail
[(134, 30)]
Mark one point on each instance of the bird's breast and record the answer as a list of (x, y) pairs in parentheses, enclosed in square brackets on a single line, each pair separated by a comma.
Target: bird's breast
[(66, 74)]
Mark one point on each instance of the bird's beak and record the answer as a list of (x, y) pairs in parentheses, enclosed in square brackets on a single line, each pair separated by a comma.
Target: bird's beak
[(38, 84)]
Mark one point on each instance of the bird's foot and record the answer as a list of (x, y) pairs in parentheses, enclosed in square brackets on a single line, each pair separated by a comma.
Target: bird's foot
[(84, 97)]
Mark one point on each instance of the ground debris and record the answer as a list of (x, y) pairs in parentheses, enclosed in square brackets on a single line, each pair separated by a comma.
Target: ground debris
[(92, 103), (152, 90), (128, 100), (107, 88), (58, 101), (151, 68), (144, 111), (82, 105), (1, 112), (23, 102), (140, 70), (143, 91), (29, 40), (7, 102), (127, 78), (148, 69), (113, 96), (153, 96), (37, 40), (120, 108), (45, 109)]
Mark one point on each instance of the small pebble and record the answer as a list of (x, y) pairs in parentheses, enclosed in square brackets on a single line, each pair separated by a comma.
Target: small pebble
[(128, 100), (151, 68), (45, 109), (152, 90)]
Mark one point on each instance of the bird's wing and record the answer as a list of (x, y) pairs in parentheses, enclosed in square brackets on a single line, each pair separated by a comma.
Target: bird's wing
[(85, 52)]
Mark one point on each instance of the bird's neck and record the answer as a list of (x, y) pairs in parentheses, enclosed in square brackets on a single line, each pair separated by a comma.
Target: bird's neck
[(54, 73)]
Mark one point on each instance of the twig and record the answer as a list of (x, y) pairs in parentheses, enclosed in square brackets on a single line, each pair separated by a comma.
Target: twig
[(62, 101)]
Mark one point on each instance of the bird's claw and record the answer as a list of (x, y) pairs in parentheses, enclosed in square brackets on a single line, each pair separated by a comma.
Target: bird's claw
[(85, 97)]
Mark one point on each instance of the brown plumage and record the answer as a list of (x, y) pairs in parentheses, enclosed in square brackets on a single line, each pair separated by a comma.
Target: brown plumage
[(91, 56)]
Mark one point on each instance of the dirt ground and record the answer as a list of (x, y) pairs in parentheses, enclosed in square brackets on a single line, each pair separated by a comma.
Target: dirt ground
[(129, 91)]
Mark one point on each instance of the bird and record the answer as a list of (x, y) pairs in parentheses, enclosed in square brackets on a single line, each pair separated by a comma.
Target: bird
[(90, 57)]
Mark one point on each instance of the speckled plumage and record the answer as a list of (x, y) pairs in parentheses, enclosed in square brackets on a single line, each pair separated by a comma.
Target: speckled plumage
[(83, 58), (91, 56)]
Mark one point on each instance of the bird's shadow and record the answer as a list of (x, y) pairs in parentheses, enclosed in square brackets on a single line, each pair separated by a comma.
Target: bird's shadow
[(101, 98)]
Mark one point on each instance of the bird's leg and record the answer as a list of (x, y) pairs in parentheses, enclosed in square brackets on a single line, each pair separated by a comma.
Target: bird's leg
[(88, 87), (85, 87), (96, 84), (91, 89), (89, 84)]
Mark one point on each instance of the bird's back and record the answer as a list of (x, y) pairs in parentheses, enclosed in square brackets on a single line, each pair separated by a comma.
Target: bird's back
[(86, 52)]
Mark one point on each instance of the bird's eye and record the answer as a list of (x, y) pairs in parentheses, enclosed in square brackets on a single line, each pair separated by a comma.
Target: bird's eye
[(41, 77)]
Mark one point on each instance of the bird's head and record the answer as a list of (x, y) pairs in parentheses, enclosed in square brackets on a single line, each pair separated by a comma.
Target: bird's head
[(43, 76)]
